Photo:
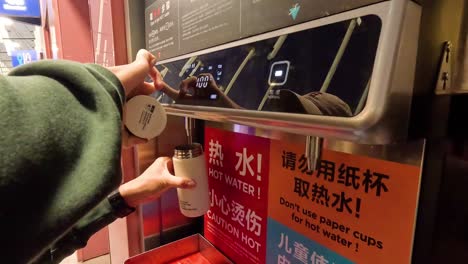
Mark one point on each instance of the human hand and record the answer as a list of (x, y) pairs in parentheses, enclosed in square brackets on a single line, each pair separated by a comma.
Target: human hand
[(132, 76), (153, 182), (158, 79)]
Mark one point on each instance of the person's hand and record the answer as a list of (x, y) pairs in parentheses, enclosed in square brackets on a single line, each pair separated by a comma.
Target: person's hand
[(132, 76), (153, 182), (158, 80)]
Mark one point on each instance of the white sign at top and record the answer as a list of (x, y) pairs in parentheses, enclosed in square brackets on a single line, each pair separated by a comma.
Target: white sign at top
[(19, 5)]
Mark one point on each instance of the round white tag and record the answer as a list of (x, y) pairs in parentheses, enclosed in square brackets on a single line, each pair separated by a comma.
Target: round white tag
[(145, 117)]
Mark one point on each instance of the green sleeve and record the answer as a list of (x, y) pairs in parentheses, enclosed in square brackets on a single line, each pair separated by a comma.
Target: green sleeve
[(77, 238), (60, 144)]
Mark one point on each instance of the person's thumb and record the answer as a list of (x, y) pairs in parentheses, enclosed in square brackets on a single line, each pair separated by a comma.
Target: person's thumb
[(181, 182), (176, 181)]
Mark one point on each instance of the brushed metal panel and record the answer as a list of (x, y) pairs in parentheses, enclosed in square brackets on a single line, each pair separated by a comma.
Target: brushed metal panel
[(410, 153)]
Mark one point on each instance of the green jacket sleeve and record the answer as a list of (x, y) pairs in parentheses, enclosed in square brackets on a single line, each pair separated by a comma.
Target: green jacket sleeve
[(78, 236), (60, 151)]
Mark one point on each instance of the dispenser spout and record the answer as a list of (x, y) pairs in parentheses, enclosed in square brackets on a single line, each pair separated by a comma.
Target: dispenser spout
[(313, 152), (189, 126)]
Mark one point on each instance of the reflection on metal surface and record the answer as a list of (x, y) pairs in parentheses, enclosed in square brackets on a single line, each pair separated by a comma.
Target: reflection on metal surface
[(308, 153), (277, 47), (265, 97), (317, 151), (363, 99), (339, 54), (162, 215), (300, 67), (239, 70), (410, 153), (164, 72), (199, 63), (385, 116), (187, 65)]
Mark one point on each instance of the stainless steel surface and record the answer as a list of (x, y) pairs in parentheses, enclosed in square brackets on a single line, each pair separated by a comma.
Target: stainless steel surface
[(385, 117), (211, 253), (189, 127), (410, 153), (162, 216), (444, 79), (313, 152), (188, 151), (460, 76), (317, 152), (363, 99), (308, 151)]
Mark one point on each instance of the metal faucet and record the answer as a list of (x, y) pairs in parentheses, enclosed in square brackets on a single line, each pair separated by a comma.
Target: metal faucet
[(313, 152), (189, 126)]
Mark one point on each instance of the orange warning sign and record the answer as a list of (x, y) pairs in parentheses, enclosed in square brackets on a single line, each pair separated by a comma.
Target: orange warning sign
[(360, 208)]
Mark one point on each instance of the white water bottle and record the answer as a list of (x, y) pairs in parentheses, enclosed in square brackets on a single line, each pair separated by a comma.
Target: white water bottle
[(189, 162)]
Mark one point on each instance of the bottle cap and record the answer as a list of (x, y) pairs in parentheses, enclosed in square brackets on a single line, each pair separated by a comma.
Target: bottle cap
[(188, 151), (145, 117)]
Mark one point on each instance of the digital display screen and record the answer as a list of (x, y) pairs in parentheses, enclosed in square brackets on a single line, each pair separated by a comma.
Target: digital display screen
[(202, 82)]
